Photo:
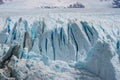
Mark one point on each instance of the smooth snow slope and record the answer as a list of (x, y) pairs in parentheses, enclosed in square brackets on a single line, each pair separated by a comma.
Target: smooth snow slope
[(28, 4)]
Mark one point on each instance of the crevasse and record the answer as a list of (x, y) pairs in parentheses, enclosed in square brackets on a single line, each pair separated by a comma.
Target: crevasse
[(85, 45)]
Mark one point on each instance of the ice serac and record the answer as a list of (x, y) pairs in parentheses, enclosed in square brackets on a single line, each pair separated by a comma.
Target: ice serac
[(99, 60), (27, 41), (13, 50), (71, 41), (90, 32), (71, 44), (78, 38), (60, 49)]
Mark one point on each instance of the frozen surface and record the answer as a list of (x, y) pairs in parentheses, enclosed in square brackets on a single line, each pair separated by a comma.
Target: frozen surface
[(60, 46), (30, 4)]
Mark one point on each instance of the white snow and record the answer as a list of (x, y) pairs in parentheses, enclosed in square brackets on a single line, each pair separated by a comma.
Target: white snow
[(28, 4)]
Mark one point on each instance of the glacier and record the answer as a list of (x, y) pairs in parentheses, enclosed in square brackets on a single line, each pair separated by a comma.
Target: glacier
[(60, 46)]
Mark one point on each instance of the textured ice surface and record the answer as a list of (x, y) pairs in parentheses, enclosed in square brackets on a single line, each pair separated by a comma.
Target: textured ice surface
[(64, 46)]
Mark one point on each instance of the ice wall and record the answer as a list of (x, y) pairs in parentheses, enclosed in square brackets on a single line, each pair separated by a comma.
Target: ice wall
[(90, 41)]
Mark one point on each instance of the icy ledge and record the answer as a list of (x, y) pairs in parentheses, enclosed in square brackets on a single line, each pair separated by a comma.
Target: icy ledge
[(58, 47)]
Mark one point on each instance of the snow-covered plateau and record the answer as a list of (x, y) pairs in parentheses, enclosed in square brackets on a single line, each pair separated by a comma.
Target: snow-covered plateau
[(30, 4), (59, 45)]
